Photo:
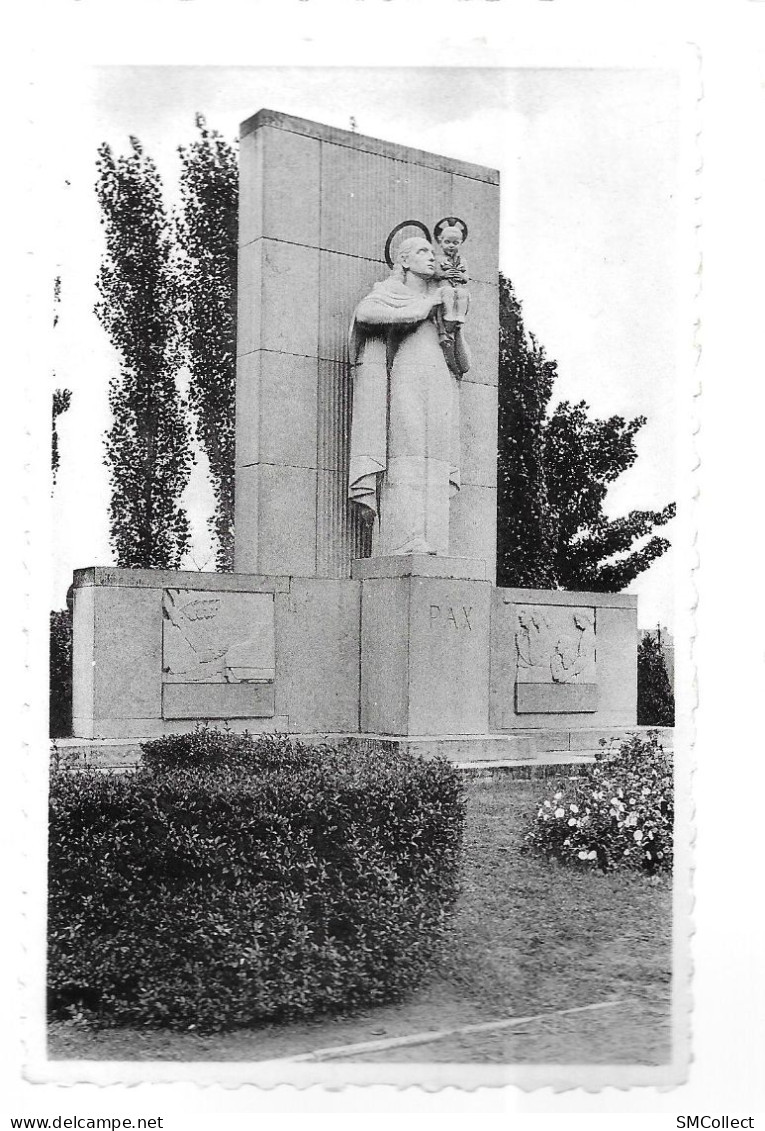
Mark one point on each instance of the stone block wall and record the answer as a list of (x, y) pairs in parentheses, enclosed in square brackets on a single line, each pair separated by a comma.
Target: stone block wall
[(396, 650), (160, 651), (316, 207)]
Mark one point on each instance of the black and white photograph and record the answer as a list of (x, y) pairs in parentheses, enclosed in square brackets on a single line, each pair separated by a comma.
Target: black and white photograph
[(366, 575), (363, 619)]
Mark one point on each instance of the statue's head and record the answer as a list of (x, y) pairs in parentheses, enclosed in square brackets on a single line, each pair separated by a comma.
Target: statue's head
[(416, 255), (450, 232)]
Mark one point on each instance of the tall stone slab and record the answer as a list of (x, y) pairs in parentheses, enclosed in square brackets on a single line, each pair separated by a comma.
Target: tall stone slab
[(316, 207)]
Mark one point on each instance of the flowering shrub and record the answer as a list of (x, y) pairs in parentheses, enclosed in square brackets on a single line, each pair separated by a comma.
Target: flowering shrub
[(238, 878), (617, 814)]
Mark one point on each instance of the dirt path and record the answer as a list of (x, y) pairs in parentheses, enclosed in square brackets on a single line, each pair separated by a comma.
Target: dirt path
[(634, 1032)]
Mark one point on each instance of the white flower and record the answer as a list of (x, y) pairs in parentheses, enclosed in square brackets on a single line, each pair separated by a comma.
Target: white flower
[(638, 835), (574, 808), (557, 796), (560, 812), (573, 821)]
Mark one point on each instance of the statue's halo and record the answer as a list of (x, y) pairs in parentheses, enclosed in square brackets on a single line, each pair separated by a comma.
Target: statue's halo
[(397, 229), (451, 222)]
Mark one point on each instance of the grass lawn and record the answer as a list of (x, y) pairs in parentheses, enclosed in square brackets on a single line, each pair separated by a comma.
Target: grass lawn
[(530, 937)]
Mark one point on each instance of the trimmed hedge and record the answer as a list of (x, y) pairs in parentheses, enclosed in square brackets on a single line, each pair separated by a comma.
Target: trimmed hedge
[(234, 879), (618, 814)]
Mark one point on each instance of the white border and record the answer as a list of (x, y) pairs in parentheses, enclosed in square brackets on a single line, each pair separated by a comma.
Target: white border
[(730, 655)]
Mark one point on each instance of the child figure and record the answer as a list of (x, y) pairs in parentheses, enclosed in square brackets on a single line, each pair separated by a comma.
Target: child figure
[(451, 270), (450, 234)]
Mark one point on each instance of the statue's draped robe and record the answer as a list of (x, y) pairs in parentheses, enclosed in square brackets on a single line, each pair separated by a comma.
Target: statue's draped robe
[(405, 445)]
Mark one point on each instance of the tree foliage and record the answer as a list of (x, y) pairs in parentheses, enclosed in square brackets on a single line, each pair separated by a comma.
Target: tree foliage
[(583, 457), (554, 471), (60, 670), (147, 447), (207, 234), (62, 399), (525, 530), (655, 699)]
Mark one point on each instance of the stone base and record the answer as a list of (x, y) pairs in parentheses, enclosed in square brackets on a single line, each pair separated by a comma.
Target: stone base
[(412, 646), (424, 645), (544, 748), (282, 653)]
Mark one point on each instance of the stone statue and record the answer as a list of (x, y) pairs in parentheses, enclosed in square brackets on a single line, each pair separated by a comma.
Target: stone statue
[(405, 445), (451, 270)]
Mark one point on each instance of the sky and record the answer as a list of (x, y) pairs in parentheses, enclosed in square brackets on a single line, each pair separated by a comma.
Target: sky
[(589, 203)]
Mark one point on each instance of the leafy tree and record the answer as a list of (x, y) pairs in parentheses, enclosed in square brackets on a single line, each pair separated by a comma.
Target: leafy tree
[(525, 531), (554, 471), (147, 447), (655, 700), (62, 398), (583, 456), (207, 234)]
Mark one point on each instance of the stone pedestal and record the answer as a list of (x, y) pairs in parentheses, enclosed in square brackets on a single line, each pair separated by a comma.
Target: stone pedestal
[(417, 647), (424, 646)]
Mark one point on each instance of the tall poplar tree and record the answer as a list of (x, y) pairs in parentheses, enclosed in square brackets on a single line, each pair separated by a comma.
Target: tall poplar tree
[(147, 447), (62, 398), (207, 234)]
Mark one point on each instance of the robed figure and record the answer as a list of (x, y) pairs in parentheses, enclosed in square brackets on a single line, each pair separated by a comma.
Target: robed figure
[(405, 439)]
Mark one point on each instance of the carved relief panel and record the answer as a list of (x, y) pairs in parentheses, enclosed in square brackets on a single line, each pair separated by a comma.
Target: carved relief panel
[(556, 659), (218, 654)]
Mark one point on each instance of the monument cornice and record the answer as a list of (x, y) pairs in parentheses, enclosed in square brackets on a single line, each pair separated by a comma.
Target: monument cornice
[(363, 142)]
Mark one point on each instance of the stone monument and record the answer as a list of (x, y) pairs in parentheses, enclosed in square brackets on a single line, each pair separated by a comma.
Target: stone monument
[(363, 600)]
